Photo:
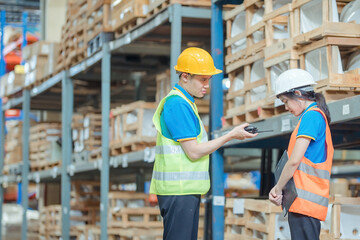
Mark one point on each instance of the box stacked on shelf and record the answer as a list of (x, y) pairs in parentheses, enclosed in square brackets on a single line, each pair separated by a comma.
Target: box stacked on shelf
[(130, 215), (156, 6), (33, 229), (131, 129), (11, 84), (254, 219), (329, 46), (60, 60), (98, 18), (127, 14), (45, 148), (40, 60), (86, 134), (266, 38), (85, 210), (13, 144), (50, 223), (75, 32)]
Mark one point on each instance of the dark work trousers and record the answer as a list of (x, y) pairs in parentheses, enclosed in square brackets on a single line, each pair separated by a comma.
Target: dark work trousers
[(303, 227), (180, 215)]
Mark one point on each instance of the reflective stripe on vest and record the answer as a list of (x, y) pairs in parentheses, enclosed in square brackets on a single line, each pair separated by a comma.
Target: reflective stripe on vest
[(313, 196), (178, 176), (314, 171), (169, 149)]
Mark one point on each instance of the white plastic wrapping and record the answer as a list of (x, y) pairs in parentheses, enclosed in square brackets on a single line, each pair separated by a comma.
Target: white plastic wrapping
[(353, 61), (316, 62), (275, 72), (351, 12), (257, 73), (238, 27), (311, 17), (349, 221), (280, 31), (239, 84), (258, 16), (148, 128), (12, 220)]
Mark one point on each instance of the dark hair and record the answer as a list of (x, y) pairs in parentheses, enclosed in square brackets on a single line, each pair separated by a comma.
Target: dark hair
[(312, 96)]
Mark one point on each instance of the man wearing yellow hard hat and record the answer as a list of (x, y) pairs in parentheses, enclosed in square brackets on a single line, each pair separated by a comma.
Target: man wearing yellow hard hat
[(181, 168)]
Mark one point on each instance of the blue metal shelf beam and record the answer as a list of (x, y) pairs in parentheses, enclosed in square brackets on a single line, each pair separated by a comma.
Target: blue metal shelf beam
[(2, 156), (2, 60), (216, 110)]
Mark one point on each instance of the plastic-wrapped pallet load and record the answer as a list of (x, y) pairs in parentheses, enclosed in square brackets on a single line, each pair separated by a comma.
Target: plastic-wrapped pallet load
[(12, 221)]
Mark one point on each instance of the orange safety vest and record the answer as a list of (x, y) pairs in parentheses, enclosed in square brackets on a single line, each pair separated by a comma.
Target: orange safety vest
[(312, 180)]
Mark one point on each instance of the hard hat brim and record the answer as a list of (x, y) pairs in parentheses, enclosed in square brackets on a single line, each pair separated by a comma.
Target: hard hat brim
[(216, 71), (276, 94)]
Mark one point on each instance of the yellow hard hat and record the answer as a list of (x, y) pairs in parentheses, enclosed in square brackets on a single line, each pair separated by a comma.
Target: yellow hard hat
[(196, 61)]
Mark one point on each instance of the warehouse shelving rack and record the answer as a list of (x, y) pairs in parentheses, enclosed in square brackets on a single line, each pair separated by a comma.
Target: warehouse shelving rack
[(344, 127), (169, 20), (344, 114)]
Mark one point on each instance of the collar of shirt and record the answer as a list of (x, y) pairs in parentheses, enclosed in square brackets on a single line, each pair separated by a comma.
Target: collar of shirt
[(184, 92), (308, 108)]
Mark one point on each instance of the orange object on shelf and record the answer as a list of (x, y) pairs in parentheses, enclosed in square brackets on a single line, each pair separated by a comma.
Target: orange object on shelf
[(12, 59)]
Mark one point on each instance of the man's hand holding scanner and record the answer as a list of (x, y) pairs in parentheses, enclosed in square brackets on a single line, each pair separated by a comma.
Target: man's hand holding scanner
[(240, 133)]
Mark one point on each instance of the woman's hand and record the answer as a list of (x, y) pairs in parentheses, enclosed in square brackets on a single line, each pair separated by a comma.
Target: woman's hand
[(275, 196)]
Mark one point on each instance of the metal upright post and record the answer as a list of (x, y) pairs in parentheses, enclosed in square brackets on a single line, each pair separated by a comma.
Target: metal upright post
[(216, 112), (2, 60), (176, 24), (67, 105), (25, 164), (24, 42), (105, 113), (2, 154)]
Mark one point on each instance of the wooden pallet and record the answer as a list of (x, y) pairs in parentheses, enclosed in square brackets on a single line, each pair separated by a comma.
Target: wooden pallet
[(234, 222), (119, 199), (98, 18), (328, 28), (240, 103), (128, 14), (128, 124), (248, 8), (156, 6), (50, 223), (85, 195), (335, 232), (137, 145), (144, 217), (335, 81), (128, 27), (267, 211), (43, 165), (93, 232)]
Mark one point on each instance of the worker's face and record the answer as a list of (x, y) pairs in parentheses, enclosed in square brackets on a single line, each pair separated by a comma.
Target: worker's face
[(198, 85), (293, 105)]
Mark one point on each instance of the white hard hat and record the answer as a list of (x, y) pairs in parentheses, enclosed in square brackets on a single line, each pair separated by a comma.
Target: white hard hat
[(293, 79)]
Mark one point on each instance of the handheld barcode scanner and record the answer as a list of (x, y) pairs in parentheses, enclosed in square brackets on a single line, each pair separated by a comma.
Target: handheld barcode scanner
[(253, 129)]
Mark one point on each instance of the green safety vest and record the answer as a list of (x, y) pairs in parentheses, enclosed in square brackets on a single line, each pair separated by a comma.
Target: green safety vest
[(174, 172)]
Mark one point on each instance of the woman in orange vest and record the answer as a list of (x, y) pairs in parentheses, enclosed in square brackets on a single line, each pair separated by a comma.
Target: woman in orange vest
[(310, 153)]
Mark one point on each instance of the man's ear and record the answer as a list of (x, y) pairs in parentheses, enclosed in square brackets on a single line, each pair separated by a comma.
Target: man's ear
[(297, 92), (185, 77)]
